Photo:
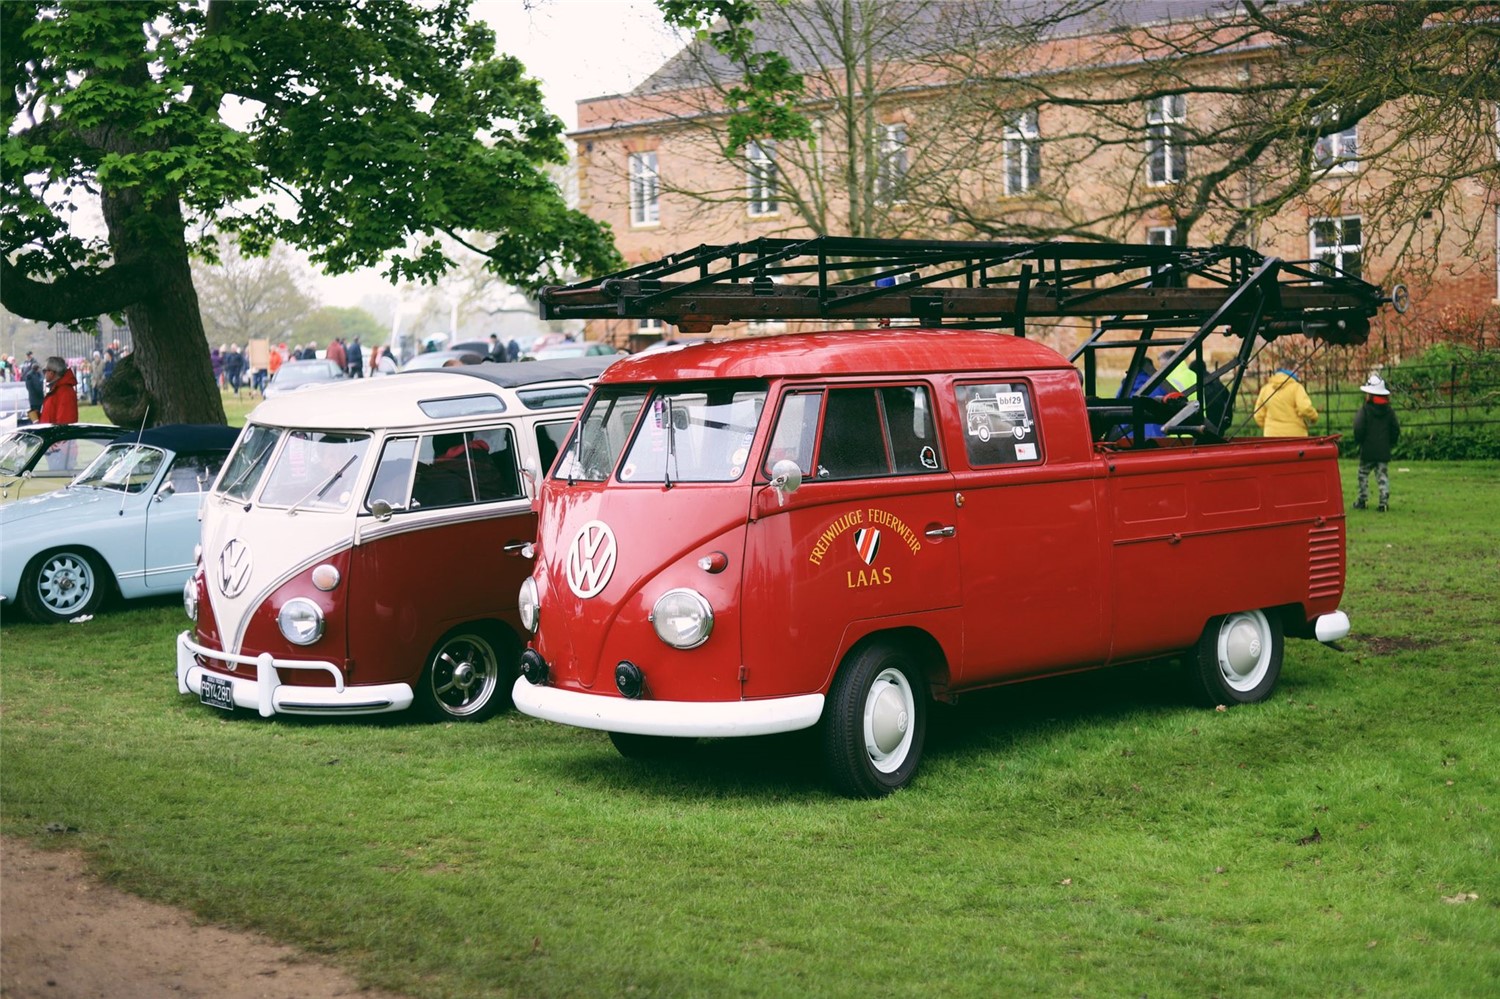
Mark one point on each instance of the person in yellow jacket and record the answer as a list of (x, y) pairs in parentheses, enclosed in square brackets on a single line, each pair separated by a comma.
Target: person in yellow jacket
[(1283, 408)]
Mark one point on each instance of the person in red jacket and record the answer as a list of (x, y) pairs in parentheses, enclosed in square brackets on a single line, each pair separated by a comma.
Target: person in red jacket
[(61, 402)]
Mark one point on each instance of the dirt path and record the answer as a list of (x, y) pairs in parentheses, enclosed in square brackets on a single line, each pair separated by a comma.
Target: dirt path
[(65, 935)]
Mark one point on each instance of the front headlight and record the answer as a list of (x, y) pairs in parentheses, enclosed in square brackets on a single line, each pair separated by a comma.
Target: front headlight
[(190, 598), (682, 618), (300, 621), (531, 609)]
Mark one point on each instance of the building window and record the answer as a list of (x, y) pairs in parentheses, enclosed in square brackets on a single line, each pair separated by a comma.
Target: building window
[(648, 326), (760, 178), (1166, 149), (1023, 154), (1338, 243), (645, 190), (891, 179), (1339, 151)]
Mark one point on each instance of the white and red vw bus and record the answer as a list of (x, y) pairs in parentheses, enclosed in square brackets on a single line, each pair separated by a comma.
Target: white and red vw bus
[(351, 558)]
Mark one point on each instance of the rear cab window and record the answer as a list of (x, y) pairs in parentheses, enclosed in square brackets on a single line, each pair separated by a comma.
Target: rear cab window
[(851, 433), (1000, 426)]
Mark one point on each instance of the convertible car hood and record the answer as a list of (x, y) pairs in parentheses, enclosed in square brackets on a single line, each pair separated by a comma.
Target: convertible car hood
[(81, 501)]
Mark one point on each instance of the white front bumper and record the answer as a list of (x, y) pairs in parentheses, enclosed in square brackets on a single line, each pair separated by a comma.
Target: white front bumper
[(688, 719), (268, 695)]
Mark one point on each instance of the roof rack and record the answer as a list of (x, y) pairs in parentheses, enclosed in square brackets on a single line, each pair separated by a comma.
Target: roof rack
[(1141, 296)]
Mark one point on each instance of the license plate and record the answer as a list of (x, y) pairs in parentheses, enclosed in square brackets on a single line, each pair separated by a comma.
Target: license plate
[(217, 693)]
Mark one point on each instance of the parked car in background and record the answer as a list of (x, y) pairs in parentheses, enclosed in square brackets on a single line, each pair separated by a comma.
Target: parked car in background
[(579, 348), (42, 457), (440, 358), (127, 524), (295, 376), (361, 549), (15, 405)]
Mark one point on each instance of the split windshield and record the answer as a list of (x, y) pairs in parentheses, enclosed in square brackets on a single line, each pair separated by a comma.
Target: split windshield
[(679, 433), (296, 469)]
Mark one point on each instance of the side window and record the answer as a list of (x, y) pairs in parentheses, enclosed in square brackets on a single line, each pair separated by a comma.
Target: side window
[(193, 473), (457, 468), (999, 423), (393, 475), (796, 430), (549, 442), (869, 431)]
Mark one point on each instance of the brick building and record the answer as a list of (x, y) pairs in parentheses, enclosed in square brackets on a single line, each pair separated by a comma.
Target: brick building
[(986, 126)]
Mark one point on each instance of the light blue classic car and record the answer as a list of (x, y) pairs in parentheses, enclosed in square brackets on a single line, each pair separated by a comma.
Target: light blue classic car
[(128, 525)]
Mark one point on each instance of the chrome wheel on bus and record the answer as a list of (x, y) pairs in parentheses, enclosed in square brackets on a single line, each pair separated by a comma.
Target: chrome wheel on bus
[(467, 676)]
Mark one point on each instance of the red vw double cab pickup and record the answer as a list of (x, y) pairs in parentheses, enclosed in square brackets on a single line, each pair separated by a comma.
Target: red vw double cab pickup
[(831, 529)]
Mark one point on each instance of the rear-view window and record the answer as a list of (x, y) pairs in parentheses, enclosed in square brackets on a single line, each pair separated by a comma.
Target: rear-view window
[(999, 423)]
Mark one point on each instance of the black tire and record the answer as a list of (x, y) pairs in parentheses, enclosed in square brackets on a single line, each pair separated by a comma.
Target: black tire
[(1238, 659), (61, 585), (468, 675), (649, 747), (875, 722)]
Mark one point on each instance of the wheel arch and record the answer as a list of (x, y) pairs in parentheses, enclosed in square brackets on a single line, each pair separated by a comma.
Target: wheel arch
[(107, 580), (918, 643)]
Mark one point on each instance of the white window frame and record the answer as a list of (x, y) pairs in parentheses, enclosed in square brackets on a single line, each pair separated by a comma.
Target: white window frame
[(645, 189), (1339, 152), (1166, 152), (761, 179), (1338, 251), (890, 178), (648, 325), (1022, 153)]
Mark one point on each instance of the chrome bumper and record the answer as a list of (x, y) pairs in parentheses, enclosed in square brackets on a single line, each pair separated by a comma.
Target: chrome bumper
[(269, 696), (689, 719)]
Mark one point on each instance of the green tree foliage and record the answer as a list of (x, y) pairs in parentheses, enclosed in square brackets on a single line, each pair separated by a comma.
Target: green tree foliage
[(322, 325), (360, 132)]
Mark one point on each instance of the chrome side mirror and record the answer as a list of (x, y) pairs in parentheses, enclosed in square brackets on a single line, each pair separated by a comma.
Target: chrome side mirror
[(167, 489), (786, 478), (533, 473), (381, 509)]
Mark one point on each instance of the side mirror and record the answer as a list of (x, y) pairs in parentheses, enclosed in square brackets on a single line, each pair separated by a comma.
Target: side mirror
[(786, 477), (381, 509), (533, 473), (167, 489)]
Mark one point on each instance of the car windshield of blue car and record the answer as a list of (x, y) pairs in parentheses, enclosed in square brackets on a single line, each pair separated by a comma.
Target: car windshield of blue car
[(16, 450), (315, 470), (127, 467)]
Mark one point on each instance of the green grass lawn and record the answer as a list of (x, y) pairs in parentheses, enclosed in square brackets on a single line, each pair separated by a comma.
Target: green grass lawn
[(235, 408), (1089, 836)]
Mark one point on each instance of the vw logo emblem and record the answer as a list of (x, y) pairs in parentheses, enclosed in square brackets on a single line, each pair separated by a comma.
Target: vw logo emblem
[(234, 567), (591, 558)]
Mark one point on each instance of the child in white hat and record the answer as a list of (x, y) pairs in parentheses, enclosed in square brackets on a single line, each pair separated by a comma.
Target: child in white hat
[(1376, 430)]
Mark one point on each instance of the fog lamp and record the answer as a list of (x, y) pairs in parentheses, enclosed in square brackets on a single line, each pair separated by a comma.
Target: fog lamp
[(534, 667), (630, 680)]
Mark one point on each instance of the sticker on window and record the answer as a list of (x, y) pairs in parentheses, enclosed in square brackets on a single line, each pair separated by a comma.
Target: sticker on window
[(999, 425)]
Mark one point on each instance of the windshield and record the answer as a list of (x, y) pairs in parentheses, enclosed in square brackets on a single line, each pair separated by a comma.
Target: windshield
[(689, 433), (16, 450), (248, 462), (315, 470), (289, 376), (127, 467)]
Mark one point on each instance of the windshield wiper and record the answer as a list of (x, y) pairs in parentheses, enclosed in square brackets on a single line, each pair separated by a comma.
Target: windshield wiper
[(324, 486)]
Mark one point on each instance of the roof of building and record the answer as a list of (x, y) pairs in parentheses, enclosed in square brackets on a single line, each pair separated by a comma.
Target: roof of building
[(916, 28)]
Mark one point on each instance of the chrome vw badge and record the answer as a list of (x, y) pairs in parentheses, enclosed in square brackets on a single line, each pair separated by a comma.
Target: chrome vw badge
[(234, 567), (591, 558)]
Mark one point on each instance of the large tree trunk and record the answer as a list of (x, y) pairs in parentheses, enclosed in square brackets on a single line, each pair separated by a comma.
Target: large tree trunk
[(165, 324)]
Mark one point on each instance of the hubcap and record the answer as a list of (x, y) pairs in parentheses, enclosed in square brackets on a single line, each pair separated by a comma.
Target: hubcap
[(1244, 650), (888, 716)]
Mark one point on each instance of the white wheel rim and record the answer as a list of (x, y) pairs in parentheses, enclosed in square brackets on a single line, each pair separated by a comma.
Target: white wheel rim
[(889, 721), (1244, 650), (65, 583)]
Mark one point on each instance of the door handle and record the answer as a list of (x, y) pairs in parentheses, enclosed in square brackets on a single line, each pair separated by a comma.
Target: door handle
[(942, 532)]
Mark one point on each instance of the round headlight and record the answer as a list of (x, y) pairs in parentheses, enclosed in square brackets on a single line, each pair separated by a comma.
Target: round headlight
[(682, 618), (300, 621), (190, 598), (531, 607)]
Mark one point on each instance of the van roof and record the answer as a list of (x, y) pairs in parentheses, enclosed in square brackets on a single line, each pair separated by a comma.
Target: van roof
[(889, 351), (395, 400)]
